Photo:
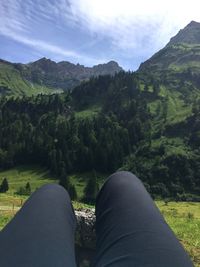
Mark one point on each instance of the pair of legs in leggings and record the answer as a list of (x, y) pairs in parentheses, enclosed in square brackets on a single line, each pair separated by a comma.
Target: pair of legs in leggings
[(130, 230)]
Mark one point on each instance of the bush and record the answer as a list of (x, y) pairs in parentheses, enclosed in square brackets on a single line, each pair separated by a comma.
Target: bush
[(4, 186), (26, 190), (91, 190), (72, 192), (66, 183), (190, 216), (188, 197), (160, 190)]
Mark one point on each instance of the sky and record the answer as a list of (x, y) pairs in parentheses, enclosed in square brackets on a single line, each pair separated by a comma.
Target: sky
[(90, 32)]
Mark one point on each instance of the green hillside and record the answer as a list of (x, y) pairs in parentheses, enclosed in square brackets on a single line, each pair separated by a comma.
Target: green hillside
[(12, 83), (125, 123), (46, 77), (174, 73), (19, 176)]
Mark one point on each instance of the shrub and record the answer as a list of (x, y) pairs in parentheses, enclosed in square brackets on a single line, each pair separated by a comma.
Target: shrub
[(24, 190), (4, 186), (72, 192), (190, 216), (91, 190)]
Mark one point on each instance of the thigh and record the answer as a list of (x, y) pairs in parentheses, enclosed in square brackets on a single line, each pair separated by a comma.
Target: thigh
[(130, 229), (42, 232)]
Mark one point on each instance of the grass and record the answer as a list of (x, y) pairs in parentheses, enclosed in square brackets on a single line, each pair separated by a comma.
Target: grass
[(183, 217), (88, 113), (174, 145), (19, 176), (176, 109), (38, 176), (80, 180), (11, 79)]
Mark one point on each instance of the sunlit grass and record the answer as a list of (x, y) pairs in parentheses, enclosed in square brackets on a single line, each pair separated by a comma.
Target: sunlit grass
[(182, 217)]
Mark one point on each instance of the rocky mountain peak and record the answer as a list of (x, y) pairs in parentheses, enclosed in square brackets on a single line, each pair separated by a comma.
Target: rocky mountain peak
[(188, 35)]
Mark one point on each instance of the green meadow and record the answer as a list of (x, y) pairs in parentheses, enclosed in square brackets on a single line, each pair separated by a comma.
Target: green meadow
[(11, 79), (183, 217)]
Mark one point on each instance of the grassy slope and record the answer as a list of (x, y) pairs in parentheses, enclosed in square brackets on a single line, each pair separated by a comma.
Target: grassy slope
[(173, 61), (177, 110), (11, 79), (87, 113), (171, 103), (183, 218), (19, 176), (80, 180)]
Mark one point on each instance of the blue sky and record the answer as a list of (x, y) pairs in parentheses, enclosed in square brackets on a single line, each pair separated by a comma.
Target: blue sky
[(90, 32)]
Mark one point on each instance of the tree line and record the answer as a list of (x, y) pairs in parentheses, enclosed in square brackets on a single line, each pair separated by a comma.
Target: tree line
[(54, 132)]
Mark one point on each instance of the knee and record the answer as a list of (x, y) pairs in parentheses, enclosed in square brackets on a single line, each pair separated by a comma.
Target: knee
[(50, 187), (52, 191), (123, 179)]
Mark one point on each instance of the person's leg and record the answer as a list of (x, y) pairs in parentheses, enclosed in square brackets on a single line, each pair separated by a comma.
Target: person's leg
[(42, 232), (130, 230)]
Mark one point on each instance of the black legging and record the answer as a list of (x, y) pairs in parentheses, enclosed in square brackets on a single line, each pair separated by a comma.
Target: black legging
[(130, 230)]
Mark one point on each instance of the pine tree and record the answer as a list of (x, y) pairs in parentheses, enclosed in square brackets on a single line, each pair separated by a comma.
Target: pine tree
[(64, 180), (28, 188), (91, 190), (72, 192), (4, 186)]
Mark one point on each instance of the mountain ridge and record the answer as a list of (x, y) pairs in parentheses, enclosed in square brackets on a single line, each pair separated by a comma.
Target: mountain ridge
[(47, 76)]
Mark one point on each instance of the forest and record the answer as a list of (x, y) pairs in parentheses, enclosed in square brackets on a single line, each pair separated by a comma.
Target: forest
[(103, 125)]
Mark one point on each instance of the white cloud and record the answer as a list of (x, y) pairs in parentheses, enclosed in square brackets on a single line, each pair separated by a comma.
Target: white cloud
[(14, 24), (131, 24), (131, 27)]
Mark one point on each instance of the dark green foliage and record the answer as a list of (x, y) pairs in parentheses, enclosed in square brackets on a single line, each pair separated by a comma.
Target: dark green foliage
[(54, 132), (160, 189), (66, 183), (24, 190), (72, 192), (4, 186), (91, 190), (45, 129), (28, 188)]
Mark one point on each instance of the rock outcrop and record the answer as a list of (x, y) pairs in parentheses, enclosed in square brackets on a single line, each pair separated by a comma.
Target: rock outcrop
[(85, 231), (85, 237)]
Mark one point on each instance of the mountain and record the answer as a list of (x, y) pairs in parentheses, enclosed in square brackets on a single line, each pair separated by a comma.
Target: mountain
[(174, 72), (166, 89), (47, 76), (189, 35), (180, 54), (147, 122)]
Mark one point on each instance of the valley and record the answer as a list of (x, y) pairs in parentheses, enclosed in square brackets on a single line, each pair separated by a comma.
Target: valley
[(75, 125)]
